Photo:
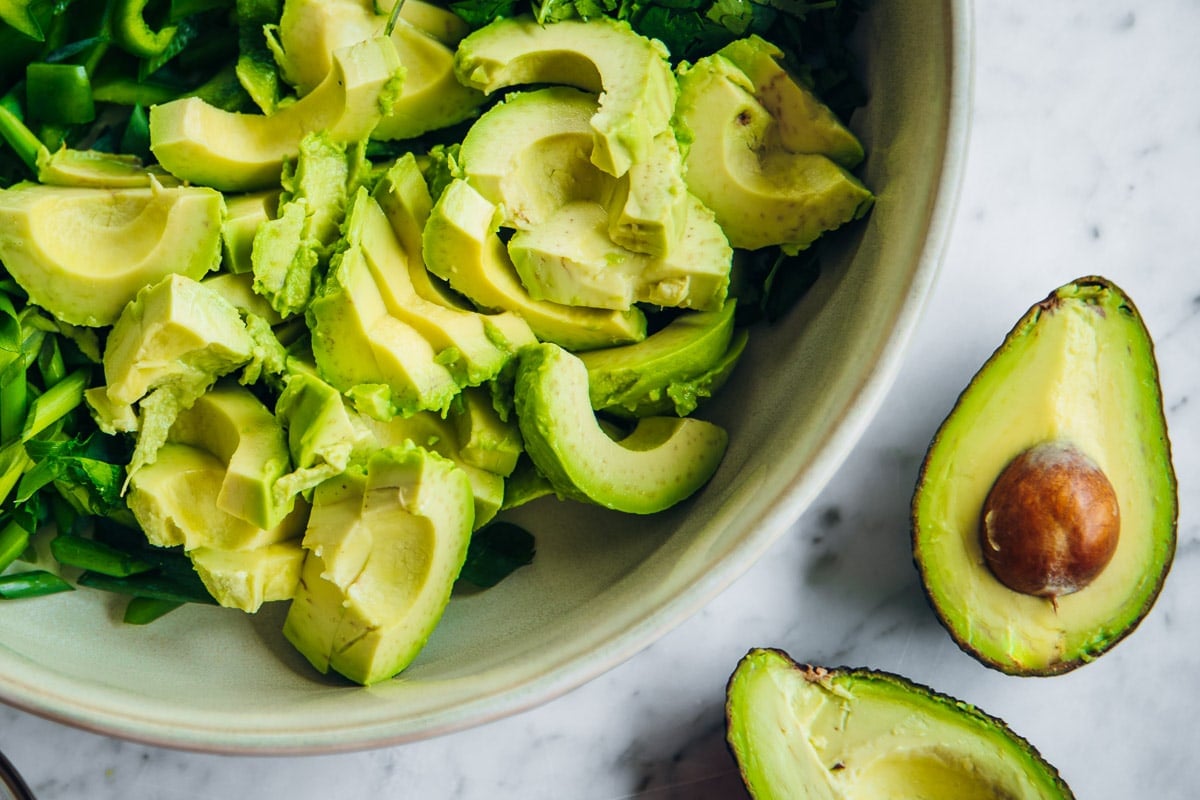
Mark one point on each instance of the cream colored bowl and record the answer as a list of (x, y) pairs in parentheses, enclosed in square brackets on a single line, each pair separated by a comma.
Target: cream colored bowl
[(602, 587)]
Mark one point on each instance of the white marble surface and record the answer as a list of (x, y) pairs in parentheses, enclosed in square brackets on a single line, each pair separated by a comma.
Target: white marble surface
[(1085, 158)]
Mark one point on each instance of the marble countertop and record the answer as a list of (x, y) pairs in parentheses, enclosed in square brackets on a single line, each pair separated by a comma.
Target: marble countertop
[(1084, 159)]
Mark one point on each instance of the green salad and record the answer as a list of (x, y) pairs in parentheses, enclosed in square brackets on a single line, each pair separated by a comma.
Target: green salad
[(298, 297)]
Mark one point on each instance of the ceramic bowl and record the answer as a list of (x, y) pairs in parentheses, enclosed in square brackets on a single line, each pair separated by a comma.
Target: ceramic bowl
[(603, 586)]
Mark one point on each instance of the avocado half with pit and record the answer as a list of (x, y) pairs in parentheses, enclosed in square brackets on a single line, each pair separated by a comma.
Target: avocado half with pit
[(662, 462), (1044, 519), (805, 731)]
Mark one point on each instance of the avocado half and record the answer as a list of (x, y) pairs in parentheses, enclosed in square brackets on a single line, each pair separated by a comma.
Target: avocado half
[(806, 731), (1077, 373)]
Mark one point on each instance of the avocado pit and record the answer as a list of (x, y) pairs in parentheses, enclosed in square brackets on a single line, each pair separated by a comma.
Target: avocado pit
[(1050, 522)]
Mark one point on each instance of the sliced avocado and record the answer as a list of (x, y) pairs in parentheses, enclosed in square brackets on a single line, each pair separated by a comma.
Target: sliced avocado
[(384, 549), (310, 31), (95, 168), (805, 731), (404, 196), (663, 461), (484, 439), (323, 435), (460, 245), (174, 501), (203, 144), (84, 253), (473, 346), (571, 259), (630, 72), (234, 425), (1075, 374), (530, 154), (358, 344), (762, 193), (633, 377), (649, 204), (244, 214), (176, 332), (238, 289), (525, 485), (803, 123), (245, 579)]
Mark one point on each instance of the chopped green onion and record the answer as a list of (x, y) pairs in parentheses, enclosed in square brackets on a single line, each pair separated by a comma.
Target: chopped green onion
[(55, 403), (33, 583), (151, 584), (13, 541), (77, 551), (144, 610)]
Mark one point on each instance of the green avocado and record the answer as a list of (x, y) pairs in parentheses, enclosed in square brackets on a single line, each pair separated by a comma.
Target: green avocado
[(84, 253), (244, 214), (473, 346), (385, 546), (648, 207), (460, 246), (662, 462), (484, 439), (571, 259), (311, 31), (800, 731), (230, 151), (1075, 375), (245, 579), (631, 74), (174, 501), (659, 374), (234, 425), (529, 154), (762, 193), (803, 123)]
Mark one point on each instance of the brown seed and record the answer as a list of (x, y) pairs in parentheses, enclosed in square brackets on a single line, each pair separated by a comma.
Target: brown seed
[(1050, 522)]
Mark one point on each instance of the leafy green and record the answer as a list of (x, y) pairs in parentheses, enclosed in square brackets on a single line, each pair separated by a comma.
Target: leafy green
[(495, 552)]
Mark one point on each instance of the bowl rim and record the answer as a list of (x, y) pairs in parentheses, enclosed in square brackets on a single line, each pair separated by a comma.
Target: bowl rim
[(802, 488)]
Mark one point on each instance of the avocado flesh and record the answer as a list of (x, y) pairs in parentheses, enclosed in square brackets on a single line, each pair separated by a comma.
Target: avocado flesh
[(571, 259), (629, 378), (761, 193), (806, 732), (1078, 367), (203, 144), (311, 31), (460, 246), (245, 579), (631, 73), (662, 462), (804, 123), (529, 154), (84, 253), (244, 214), (384, 550)]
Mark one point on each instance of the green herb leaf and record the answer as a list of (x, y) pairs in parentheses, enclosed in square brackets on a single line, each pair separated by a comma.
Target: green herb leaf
[(496, 550)]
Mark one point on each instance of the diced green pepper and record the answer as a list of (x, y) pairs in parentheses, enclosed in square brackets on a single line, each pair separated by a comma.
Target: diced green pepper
[(59, 93)]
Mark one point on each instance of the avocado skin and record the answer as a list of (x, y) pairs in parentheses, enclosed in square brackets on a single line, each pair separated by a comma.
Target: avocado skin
[(771, 664), (1100, 293)]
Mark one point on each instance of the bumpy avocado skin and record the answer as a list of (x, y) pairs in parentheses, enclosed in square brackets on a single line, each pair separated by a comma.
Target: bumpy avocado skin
[(1078, 366), (798, 730)]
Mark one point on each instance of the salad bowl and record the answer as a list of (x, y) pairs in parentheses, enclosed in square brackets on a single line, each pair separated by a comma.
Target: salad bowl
[(602, 585)]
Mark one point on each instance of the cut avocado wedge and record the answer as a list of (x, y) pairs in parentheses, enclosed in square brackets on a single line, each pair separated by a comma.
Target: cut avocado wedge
[(662, 462), (1078, 369), (631, 73), (762, 193), (799, 731), (84, 253), (203, 144), (384, 548), (460, 245)]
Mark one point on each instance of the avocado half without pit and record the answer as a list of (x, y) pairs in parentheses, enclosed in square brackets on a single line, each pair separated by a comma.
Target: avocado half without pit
[(1044, 517), (806, 731)]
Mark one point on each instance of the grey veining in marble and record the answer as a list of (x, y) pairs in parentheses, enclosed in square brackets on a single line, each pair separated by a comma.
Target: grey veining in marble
[(1085, 159)]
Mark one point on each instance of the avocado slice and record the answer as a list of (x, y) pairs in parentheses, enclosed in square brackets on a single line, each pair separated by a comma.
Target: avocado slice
[(662, 462), (806, 731), (202, 144), (385, 545), (84, 253), (310, 31), (245, 579), (244, 214), (571, 259), (460, 246), (1077, 372), (630, 72), (643, 379), (804, 123), (762, 193), (484, 439)]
